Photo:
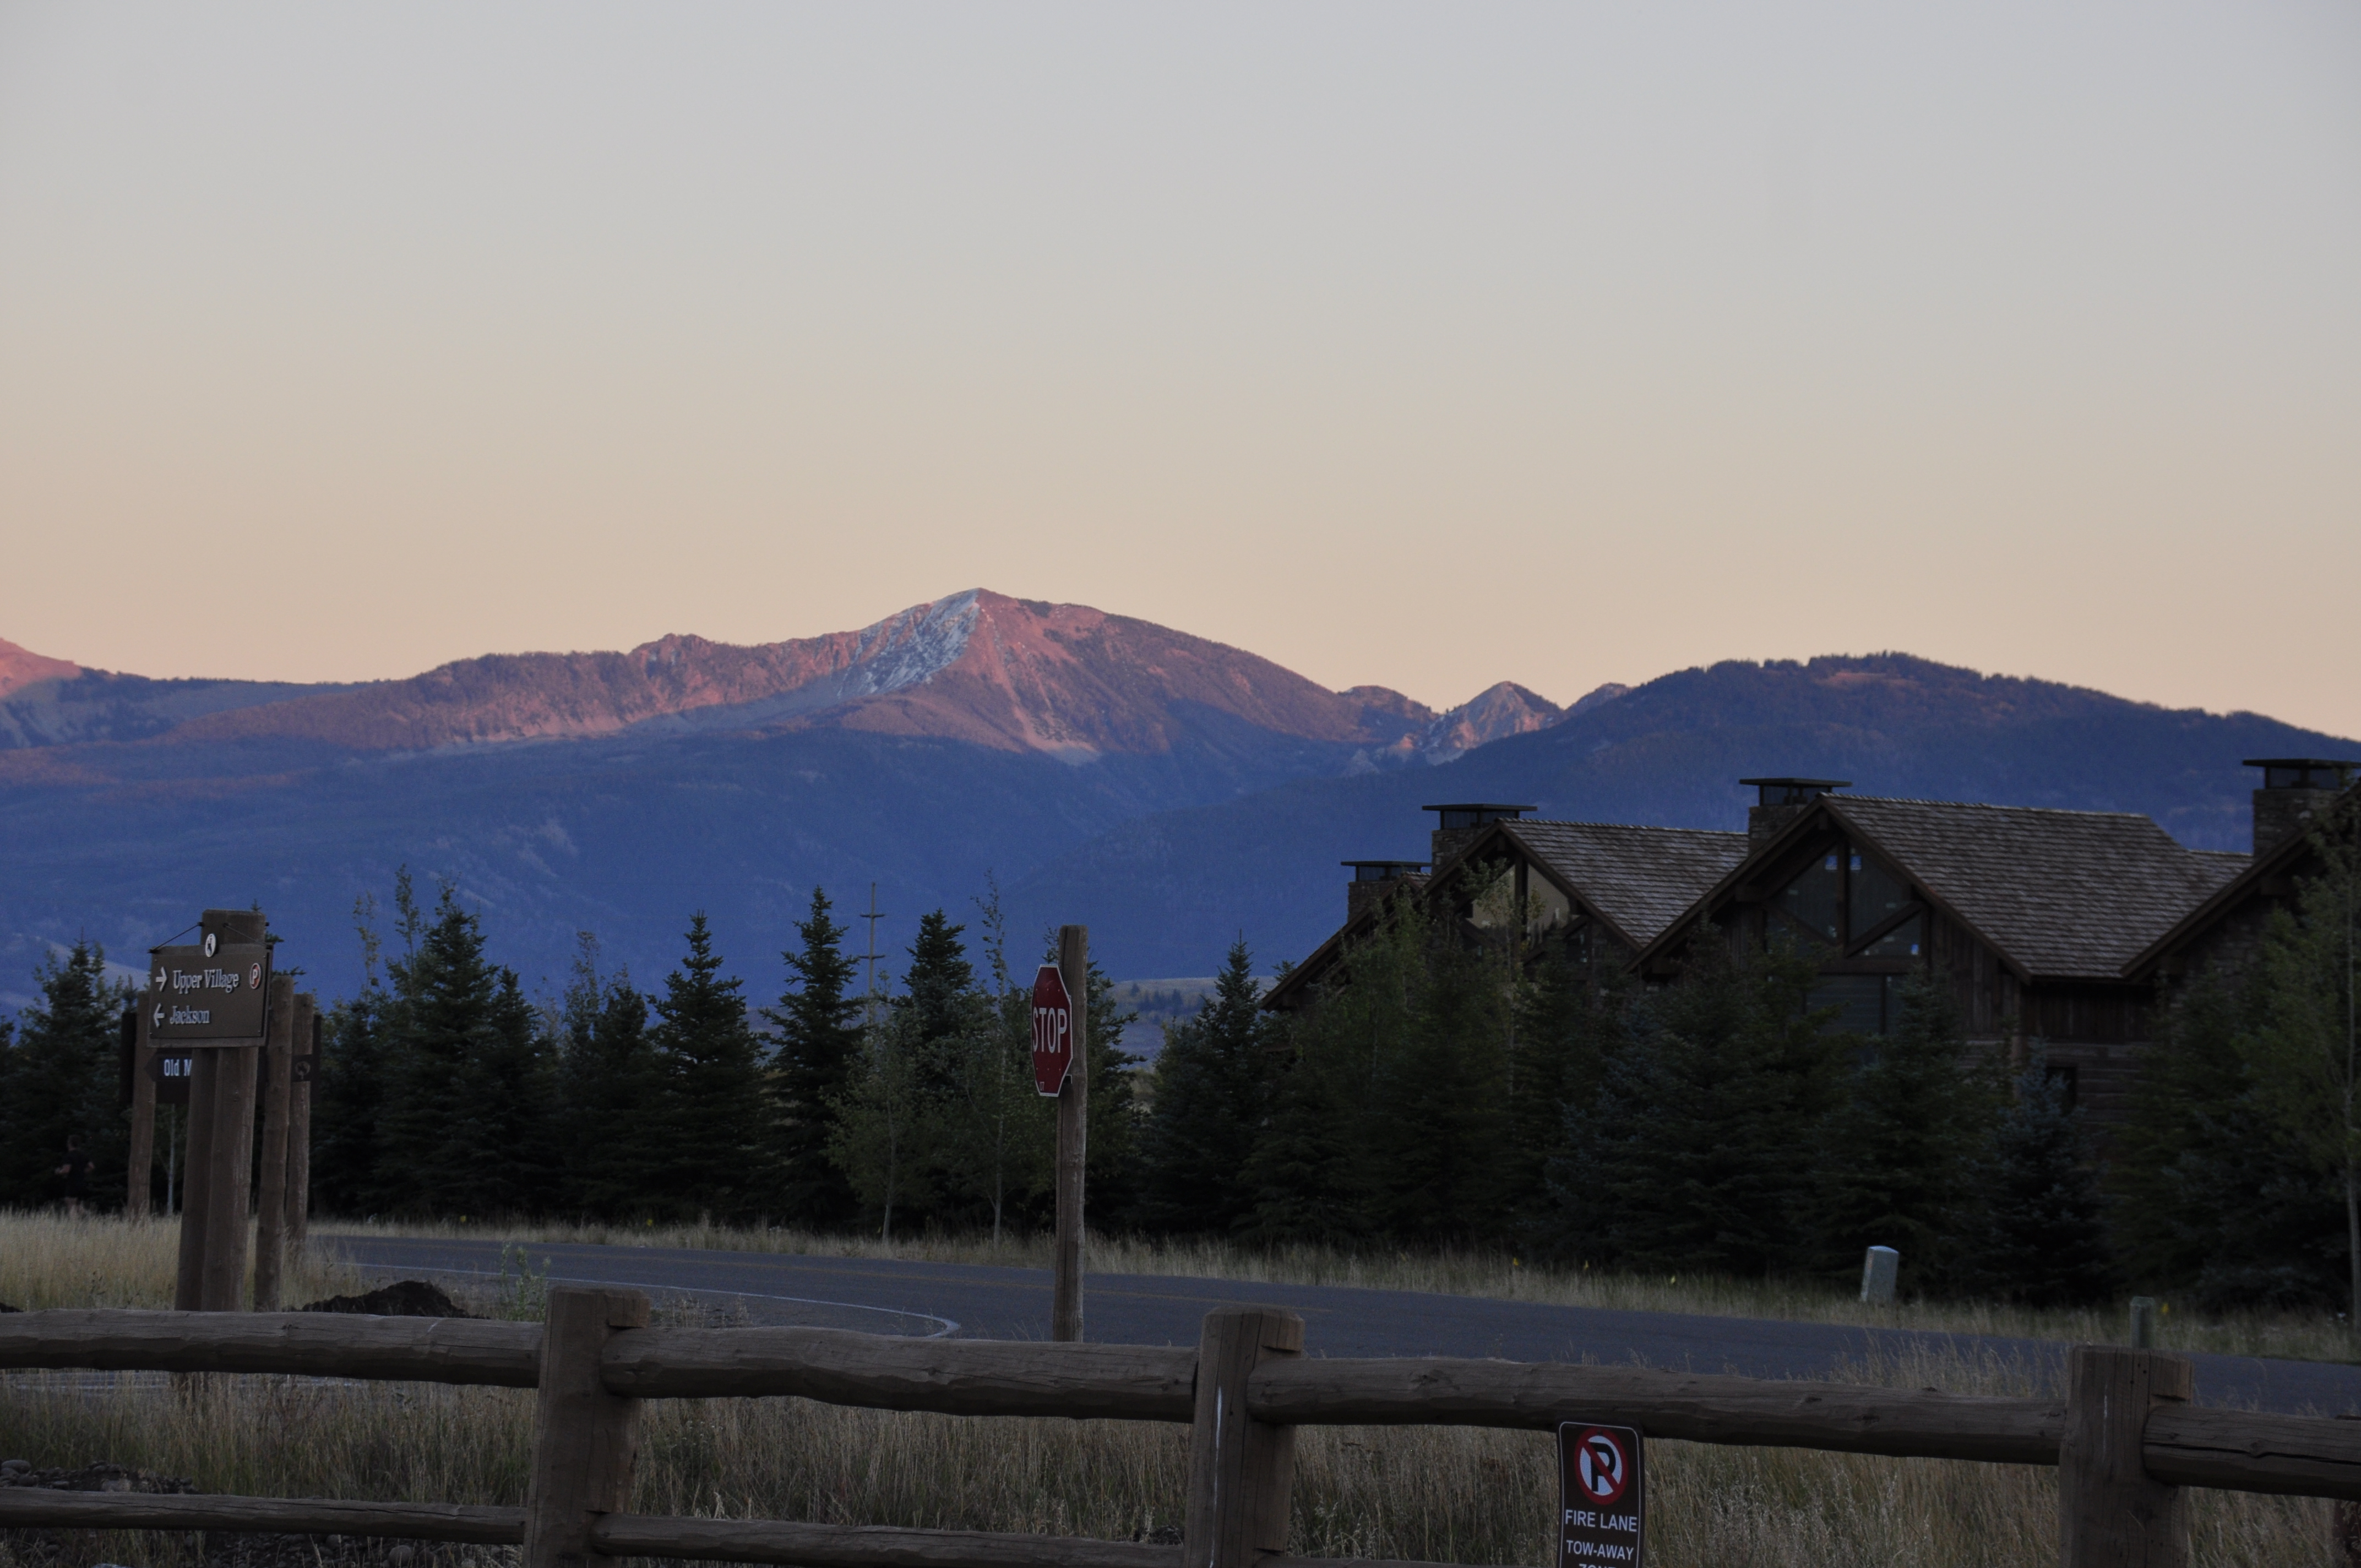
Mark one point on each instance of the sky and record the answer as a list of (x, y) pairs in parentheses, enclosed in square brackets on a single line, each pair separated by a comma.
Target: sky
[(1426, 346)]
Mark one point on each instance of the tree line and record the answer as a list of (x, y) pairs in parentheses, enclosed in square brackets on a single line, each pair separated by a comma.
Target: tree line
[(445, 1091), (1436, 1093)]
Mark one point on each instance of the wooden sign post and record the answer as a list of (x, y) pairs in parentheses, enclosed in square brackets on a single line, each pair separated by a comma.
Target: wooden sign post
[(1060, 1034), (214, 998), (138, 1169)]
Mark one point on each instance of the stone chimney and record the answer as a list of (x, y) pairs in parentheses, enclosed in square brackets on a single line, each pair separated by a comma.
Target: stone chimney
[(1781, 801), (1372, 880), (1456, 825), (2294, 790)]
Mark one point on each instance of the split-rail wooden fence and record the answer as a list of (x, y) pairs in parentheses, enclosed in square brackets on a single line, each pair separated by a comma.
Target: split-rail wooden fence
[(2125, 1438)]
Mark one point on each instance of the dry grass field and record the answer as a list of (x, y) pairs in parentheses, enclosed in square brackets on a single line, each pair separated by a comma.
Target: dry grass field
[(1432, 1494)]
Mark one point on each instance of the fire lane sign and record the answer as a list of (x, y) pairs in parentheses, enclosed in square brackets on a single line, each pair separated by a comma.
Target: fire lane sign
[(213, 994), (1602, 1495), (1053, 1031)]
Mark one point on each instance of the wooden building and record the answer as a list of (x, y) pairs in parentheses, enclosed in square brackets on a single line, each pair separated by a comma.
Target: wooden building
[(2066, 927), (2033, 916)]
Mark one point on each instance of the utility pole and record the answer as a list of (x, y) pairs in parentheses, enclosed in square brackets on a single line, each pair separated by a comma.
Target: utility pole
[(869, 1009)]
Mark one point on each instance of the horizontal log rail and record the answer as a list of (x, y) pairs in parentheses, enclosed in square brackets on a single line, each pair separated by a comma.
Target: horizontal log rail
[(304, 1345), (2178, 1445), (960, 1377)]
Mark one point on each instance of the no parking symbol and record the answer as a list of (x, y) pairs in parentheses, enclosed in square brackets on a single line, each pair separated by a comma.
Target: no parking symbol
[(1602, 1512)]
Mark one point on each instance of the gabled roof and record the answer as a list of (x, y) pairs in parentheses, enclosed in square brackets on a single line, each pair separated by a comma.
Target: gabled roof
[(2280, 859), (2058, 894), (1637, 879)]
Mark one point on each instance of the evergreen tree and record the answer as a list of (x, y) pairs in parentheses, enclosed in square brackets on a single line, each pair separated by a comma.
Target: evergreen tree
[(1111, 1139), (939, 982), (1570, 1018), (882, 1134), (1317, 1174), (995, 1142), (470, 1093), (350, 1087), (1896, 1159), (2309, 1020), (818, 1039), (1439, 1108), (715, 1113), (1694, 1153), (2214, 1196), (610, 1083), (350, 1173), (63, 1080), (1209, 1107), (2044, 1241)]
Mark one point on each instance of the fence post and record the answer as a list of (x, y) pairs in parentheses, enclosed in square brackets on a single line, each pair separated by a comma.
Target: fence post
[(2110, 1514), (582, 1437), (270, 1190), (1240, 1469)]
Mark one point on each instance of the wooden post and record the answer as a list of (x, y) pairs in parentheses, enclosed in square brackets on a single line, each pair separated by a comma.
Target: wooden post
[(2110, 1514), (582, 1437), (1073, 1136), (229, 1162), (196, 1183), (271, 1197), (1240, 1469), (299, 1124), (140, 1168)]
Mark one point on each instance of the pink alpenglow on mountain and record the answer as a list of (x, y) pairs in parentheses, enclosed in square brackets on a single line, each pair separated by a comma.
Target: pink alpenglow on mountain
[(21, 667), (1017, 674)]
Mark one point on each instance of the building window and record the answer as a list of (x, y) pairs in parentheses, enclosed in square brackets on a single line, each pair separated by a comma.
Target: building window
[(1811, 901)]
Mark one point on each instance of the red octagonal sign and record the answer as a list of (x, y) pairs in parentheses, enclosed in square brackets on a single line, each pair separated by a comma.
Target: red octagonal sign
[(1053, 1030)]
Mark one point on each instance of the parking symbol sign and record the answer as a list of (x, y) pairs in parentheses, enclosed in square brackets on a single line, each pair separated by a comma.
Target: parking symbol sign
[(1602, 1514)]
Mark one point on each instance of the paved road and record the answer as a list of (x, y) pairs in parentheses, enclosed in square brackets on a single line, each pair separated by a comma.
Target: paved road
[(980, 1301)]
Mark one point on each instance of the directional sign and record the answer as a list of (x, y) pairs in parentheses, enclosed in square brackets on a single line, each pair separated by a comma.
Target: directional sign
[(213, 994), (1053, 1031), (1602, 1509), (170, 1071)]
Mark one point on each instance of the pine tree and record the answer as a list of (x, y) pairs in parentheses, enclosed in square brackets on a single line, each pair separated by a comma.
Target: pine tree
[(1692, 1154), (468, 1094), (940, 978), (1570, 1018), (714, 1113), (1439, 1108), (611, 1081), (2309, 1020), (2214, 1196), (882, 1133), (818, 1039), (1111, 1140), (349, 1173), (2045, 1239), (1211, 1079), (63, 1080), (1897, 1158), (349, 1089), (996, 1132), (1317, 1173)]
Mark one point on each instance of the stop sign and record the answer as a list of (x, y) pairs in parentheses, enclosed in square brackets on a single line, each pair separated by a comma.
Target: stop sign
[(1053, 1030)]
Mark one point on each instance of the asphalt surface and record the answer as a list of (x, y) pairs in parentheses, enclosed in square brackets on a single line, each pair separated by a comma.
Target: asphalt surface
[(980, 1301)]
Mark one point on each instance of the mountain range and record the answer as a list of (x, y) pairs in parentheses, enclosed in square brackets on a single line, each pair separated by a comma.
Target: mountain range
[(1169, 791)]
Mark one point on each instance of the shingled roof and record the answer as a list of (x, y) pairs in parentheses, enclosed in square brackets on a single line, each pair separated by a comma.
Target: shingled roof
[(1639, 878), (2063, 895)]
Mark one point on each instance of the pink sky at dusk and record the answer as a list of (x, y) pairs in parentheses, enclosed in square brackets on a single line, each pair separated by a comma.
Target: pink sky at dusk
[(1427, 346)]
